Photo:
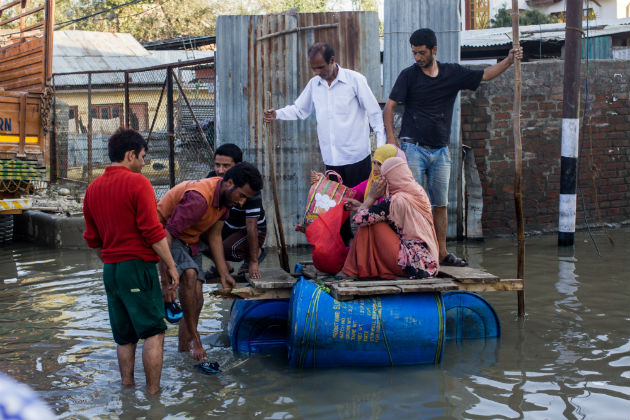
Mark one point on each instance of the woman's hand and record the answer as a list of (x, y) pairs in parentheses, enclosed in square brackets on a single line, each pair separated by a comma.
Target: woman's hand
[(377, 190), (315, 176), (351, 204)]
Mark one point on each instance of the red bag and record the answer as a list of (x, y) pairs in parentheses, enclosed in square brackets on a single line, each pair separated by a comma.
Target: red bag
[(323, 195), (329, 251)]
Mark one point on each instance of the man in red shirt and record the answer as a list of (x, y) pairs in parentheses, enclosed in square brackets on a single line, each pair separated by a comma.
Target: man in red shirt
[(122, 227), (192, 210)]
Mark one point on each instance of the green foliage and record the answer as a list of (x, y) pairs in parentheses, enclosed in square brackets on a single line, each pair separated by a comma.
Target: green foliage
[(149, 20), (503, 18)]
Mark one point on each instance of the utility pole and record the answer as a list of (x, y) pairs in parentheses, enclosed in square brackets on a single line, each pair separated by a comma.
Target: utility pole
[(518, 159), (570, 122)]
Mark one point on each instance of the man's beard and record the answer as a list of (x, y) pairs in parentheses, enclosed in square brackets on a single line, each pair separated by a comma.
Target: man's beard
[(224, 198), (429, 62)]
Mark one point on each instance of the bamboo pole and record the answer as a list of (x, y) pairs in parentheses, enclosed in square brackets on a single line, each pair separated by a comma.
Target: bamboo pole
[(282, 246), (518, 159)]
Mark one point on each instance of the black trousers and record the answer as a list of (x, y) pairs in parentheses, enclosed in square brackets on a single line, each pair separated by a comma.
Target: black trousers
[(352, 175)]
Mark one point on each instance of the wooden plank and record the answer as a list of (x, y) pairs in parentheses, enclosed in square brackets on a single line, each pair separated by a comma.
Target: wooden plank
[(349, 293), (9, 5), (467, 274), (429, 287), (272, 278), (498, 286), (28, 60), (395, 282), (16, 50), (23, 14), (251, 293), (386, 287)]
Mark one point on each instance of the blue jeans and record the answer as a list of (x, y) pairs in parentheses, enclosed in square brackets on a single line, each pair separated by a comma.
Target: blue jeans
[(432, 169)]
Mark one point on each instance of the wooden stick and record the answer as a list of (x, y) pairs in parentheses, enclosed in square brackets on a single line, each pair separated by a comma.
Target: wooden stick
[(518, 159), (283, 255)]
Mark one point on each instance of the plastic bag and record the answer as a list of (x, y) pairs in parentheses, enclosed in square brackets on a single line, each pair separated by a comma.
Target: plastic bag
[(329, 251)]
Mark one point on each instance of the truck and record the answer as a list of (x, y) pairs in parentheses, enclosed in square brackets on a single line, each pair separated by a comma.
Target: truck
[(26, 40)]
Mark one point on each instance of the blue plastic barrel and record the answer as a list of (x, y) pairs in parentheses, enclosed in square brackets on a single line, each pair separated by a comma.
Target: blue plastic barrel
[(259, 326), (468, 315), (380, 330)]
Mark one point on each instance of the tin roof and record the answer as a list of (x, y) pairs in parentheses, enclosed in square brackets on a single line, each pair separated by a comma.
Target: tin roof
[(75, 51), (549, 32)]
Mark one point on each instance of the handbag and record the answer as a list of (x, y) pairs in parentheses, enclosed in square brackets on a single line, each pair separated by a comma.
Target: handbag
[(324, 195)]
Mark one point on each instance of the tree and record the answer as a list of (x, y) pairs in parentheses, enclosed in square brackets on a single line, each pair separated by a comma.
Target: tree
[(503, 18)]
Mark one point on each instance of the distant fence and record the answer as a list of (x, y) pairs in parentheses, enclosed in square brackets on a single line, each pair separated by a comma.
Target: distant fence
[(171, 105)]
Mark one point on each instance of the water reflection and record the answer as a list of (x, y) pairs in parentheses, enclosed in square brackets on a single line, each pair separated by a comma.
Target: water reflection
[(568, 359)]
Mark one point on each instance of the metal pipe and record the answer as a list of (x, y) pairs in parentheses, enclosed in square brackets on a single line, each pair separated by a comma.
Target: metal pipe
[(54, 163), (157, 109), (89, 136), (192, 114), (188, 63), (126, 99), (170, 126)]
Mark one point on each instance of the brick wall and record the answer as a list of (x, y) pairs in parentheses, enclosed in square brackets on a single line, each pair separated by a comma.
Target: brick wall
[(604, 155)]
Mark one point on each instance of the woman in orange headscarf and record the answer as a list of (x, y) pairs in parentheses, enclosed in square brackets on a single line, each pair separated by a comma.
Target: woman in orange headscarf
[(396, 237)]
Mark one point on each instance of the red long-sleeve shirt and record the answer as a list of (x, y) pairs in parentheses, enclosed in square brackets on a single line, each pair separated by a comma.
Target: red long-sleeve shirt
[(121, 216)]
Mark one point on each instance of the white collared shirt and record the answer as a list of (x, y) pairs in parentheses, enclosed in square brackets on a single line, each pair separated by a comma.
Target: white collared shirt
[(343, 110)]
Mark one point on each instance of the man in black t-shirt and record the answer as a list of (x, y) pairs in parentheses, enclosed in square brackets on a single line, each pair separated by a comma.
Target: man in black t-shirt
[(245, 229), (428, 90)]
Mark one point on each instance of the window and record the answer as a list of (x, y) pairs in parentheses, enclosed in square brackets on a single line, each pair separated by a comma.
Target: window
[(478, 14), (139, 116), (73, 118), (586, 13), (106, 111)]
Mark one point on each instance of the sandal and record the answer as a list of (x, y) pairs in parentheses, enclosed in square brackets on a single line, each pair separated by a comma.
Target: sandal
[(452, 261)]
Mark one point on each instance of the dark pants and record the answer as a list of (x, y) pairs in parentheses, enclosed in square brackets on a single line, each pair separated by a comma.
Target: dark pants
[(352, 175), (236, 246)]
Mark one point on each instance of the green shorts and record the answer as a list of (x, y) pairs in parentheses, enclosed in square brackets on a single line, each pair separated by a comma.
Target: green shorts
[(134, 300)]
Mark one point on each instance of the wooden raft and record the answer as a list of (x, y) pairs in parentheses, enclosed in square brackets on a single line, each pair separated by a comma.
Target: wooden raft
[(277, 284)]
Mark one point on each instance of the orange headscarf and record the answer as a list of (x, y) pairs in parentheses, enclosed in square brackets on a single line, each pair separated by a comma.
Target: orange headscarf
[(410, 208)]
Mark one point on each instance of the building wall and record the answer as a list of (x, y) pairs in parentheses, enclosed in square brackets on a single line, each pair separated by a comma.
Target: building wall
[(148, 96), (604, 156), (623, 9)]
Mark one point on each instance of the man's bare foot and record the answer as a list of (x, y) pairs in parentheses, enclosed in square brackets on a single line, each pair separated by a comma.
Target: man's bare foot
[(197, 351)]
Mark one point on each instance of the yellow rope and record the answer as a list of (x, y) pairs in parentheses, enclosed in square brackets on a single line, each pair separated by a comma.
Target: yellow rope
[(441, 328), (313, 307), (378, 313)]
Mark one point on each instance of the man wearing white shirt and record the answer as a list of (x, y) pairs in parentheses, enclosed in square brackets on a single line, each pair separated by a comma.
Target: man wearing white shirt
[(343, 104)]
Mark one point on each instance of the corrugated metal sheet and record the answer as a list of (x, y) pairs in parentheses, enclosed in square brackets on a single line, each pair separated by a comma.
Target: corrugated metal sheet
[(597, 48), (548, 32), (247, 67), (402, 17), (75, 51)]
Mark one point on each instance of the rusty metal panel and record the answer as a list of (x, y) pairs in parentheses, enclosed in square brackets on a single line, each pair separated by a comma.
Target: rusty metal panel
[(260, 54), (402, 17)]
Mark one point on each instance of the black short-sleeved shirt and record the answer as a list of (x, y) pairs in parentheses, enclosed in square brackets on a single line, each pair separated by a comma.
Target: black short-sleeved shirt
[(429, 100), (253, 207)]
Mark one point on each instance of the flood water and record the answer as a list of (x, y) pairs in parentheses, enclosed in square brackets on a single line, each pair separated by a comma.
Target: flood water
[(569, 358)]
